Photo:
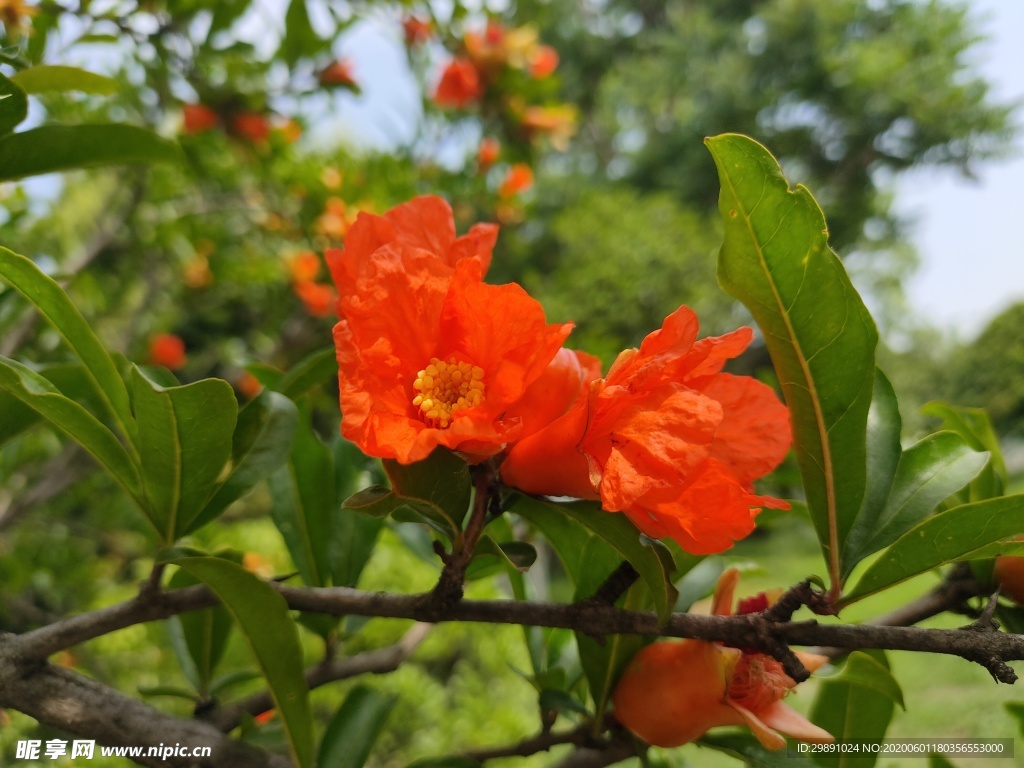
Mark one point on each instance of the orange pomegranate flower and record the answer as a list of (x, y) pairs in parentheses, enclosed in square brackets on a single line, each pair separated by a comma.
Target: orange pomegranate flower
[(303, 267), (518, 179), (671, 692), (167, 350), (460, 85), (667, 439), (424, 223), (428, 354), (198, 118)]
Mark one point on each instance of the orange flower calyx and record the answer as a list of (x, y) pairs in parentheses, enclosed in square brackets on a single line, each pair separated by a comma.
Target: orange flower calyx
[(417, 30), (338, 73), (197, 118), (518, 179), (665, 438), (672, 693)]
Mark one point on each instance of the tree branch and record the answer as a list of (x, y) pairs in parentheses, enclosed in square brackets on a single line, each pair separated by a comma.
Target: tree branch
[(83, 707)]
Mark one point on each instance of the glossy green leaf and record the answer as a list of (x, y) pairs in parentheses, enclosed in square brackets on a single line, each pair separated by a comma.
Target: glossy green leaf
[(744, 746), (559, 523), (54, 304), (490, 557), (776, 260), (70, 380), (261, 443), (13, 105), (71, 418), (375, 501), (353, 538), (231, 679), (869, 672), (883, 456), (185, 444), (441, 482), (44, 78), (171, 691), (350, 736), (973, 425), (851, 711), (205, 633), (312, 371), (302, 502), (950, 535), (928, 473), (51, 148), (261, 614)]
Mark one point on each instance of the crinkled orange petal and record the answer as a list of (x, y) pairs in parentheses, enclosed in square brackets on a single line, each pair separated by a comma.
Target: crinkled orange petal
[(424, 223), (706, 516), (500, 328), (754, 434)]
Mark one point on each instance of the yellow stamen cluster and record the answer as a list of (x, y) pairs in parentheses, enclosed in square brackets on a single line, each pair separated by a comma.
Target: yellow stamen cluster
[(444, 387)]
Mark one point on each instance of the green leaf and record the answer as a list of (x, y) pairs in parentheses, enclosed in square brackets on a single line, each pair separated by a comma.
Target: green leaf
[(308, 373), (261, 443), (973, 425), (53, 148), (453, 761), (440, 483), (928, 473), (559, 522), (354, 728), (205, 633), (851, 711), (302, 502), (53, 304), (70, 380), (951, 535), (376, 501), (43, 78), (776, 260), (184, 443), (489, 557), (353, 535), (71, 418), (166, 690), (744, 746), (938, 761), (883, 455), (869, 672), (262, 616), (13, 105)]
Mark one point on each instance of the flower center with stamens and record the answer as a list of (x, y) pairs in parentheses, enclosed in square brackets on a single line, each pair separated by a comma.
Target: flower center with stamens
[(444, 387), (758, 681)]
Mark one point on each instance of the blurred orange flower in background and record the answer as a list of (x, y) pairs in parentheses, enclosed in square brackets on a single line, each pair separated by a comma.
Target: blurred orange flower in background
[(318, 298), (417, 30), (338, 73), (303, 266), (460, 85), (488, 152), (428, 354), (667, 439), (518, 179), (167, 350), (251, 126), (543, 62), (197, 118), (672, 692), (336, 219)]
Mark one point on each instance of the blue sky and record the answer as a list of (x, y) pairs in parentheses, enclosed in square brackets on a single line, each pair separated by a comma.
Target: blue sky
[(969, 233)]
